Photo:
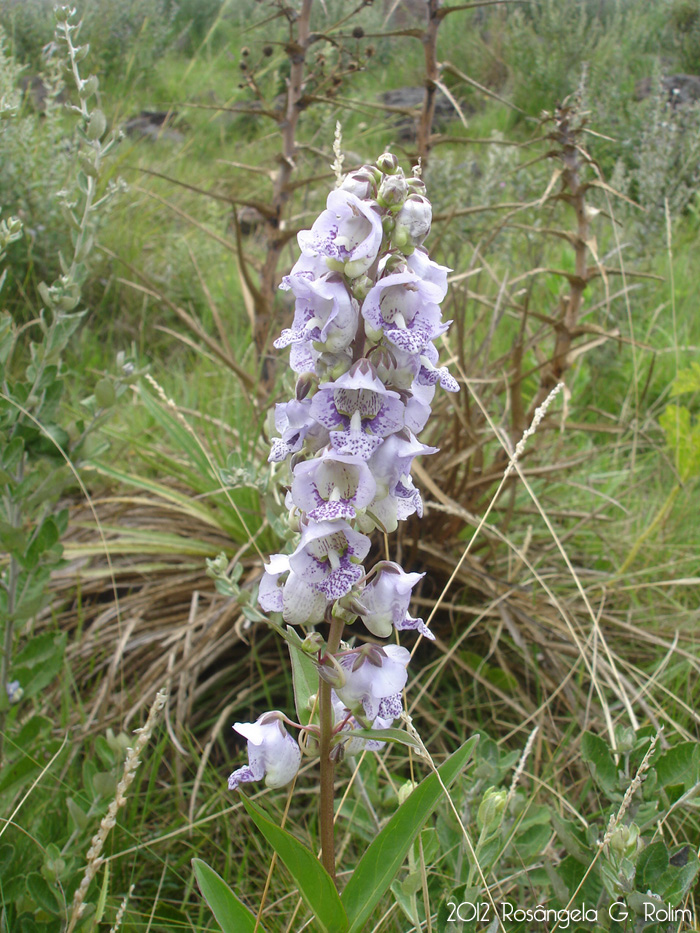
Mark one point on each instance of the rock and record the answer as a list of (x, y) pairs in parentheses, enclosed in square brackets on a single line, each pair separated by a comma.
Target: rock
[(36, 91), (411, 99), (681, 89), (154, 125)]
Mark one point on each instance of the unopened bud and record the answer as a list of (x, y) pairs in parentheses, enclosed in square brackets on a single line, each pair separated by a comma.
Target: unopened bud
[(361, 287), (624, 840), (388, 163), (416, 185), (491, 810), (361, 184), (625, 739), (396, 262), (331, 672), (305, 383), (406, 790), (393, 190), (313, 643), (414, 219)]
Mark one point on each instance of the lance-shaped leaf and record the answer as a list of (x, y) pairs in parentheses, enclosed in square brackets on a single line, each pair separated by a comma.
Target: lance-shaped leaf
[(231, 914), (315, 885), (378, 866)]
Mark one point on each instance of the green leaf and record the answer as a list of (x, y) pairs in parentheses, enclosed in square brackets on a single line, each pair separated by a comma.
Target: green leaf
[(675, 882), (595, 752), (7, 857), (78, 815), (683, 437), (39, 662), (380, 863), (102, 899), (687, 380), (41, 894), (177, 431), (679, 765), (19, 773), (44, 538), (231, 913), (651, 864), (571, 838), (381, 735), (304, 678), (315, 884)]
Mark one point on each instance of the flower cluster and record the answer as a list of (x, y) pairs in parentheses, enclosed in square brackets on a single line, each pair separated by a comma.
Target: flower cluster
[(367, 315)]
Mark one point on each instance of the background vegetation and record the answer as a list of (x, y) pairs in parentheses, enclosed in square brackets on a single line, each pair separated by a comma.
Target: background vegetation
[(137, 378)]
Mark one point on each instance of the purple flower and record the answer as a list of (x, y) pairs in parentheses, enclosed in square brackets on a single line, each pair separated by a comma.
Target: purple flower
[(332, 487), (272, 752), (386, 599), (373, 675), (405, 309), (324, 567), (391, 707), (297, 426), (358, 410), (326, 313), (427, 270), (429, 373), (396, 497), (348, 232)]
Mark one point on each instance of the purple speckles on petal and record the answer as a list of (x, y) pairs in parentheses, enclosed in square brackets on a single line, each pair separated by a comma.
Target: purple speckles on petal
[(354, 443), (391, 707), (340, 581), (338, 510)]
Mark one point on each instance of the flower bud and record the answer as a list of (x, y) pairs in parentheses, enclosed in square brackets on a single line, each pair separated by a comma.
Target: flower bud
[(313, 643), (388, 163), (396, 262), (416, 185), (331, 672), (388, 224), (625, 739), (305, 383), (361, 287), (414, 219), (393, 190), (624, 840), (361, 184), (491, 810), (293, 520), (406, 790)]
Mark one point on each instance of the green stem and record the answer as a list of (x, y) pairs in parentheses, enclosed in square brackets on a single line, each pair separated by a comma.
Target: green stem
[(327, 801)]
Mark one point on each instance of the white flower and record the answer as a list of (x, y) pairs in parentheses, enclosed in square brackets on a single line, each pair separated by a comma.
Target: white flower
[(272, 752)]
